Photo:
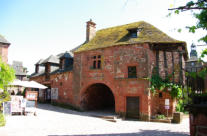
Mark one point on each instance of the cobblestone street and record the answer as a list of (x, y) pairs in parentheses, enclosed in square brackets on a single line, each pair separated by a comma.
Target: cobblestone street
[(55, 121)]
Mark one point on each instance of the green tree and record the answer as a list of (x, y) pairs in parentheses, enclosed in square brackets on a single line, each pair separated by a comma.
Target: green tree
[(199, 10), (7, 75)]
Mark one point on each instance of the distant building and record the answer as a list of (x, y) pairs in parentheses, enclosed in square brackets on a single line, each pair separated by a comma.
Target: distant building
[(20, 71), (4, 45)]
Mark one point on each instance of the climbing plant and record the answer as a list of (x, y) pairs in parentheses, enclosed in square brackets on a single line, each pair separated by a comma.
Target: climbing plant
[(157, 83)]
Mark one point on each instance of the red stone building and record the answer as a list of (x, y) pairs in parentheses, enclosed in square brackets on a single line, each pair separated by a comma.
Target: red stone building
[(110, 70), (4, 45)]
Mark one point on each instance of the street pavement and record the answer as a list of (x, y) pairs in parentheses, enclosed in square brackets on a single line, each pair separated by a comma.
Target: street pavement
[(56, 121)]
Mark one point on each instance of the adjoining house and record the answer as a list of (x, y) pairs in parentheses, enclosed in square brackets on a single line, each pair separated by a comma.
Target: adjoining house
[(110, 70), (20, 71), (4, 45)]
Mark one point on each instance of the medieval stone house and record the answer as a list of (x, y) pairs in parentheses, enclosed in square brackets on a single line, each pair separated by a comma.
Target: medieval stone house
[(111, 68)]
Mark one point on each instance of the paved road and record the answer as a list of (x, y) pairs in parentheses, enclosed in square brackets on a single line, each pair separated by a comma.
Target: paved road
[(55, 121)]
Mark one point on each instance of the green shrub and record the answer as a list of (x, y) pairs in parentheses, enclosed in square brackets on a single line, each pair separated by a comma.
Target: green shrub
[(161, 116), (180, 106), (2, 120)]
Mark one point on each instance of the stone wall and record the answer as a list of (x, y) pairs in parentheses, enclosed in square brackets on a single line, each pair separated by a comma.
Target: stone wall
[(63, 81), (4, 52)]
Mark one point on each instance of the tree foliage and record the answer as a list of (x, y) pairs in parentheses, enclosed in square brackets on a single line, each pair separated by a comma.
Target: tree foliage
[(199, 9), (7, 74)]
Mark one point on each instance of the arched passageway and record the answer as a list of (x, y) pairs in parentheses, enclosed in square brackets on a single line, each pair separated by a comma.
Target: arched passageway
[(98, 97)]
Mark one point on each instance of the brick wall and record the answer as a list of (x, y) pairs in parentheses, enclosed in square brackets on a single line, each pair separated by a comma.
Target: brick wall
[(114, 74), (4, 53), (63, 81)]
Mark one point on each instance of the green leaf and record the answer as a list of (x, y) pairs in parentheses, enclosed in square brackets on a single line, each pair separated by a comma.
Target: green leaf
[(192, 29), (177, 11), (189, 4), (168, 15), (179, 30)]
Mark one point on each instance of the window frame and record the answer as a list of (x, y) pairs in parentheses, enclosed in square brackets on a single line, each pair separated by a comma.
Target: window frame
[(130, 73), (97, 61)]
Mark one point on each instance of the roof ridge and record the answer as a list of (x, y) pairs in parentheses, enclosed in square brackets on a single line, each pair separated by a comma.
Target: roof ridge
[(122, 25)]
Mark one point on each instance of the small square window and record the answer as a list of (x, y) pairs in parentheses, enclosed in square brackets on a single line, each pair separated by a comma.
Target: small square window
[(132, 72), (134, 34), (160, 95)]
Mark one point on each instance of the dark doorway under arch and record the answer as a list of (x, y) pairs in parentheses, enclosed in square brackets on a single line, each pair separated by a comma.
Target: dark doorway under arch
[(98, 97)]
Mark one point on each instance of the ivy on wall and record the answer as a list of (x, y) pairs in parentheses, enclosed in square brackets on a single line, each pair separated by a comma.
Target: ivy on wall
[(157, 83)]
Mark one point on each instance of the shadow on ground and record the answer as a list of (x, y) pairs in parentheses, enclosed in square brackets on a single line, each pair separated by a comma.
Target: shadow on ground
[(141, 133), (97, 113)]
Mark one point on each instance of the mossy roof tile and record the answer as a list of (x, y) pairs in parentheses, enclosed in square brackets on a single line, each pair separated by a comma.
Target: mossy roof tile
[(120, 35)]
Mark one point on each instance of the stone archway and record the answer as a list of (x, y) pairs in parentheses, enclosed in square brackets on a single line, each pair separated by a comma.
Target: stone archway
[(98, 97)]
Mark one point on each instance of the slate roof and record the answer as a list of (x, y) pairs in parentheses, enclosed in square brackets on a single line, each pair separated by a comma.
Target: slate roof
[(51, 59), (54, 59), (37, 74), (67, 54), (119, 35), (39, 62), (3, 40), (70, 68)]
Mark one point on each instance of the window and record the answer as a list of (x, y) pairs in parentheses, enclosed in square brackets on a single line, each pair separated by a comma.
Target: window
[(134, 34), (160, 95), (96, 62), (132, 72)]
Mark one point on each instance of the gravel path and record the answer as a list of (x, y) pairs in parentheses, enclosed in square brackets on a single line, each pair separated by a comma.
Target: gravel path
[(55, 121)]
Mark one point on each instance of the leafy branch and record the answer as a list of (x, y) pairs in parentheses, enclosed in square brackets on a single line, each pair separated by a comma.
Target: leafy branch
[(157, 83)]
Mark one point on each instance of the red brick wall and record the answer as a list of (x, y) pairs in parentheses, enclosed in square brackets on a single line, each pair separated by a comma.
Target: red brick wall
[(63, 82), (114, 74), (158, 104), (4, 53)]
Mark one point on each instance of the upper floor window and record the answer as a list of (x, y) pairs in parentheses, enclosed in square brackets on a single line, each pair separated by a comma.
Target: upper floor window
[(96, 62), (132, 72), (134, 32)]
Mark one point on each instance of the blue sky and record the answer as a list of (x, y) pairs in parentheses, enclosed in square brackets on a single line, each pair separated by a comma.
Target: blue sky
[(39, 28)]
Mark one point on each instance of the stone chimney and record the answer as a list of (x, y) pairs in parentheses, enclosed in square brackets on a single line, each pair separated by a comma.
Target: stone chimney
[(90, 30)]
